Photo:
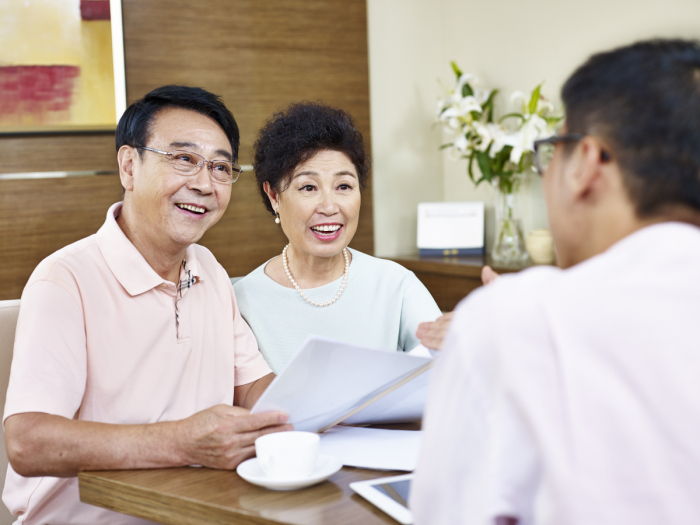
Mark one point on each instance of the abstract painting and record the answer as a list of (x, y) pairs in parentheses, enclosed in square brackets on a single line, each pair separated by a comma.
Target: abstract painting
[(61, 65)]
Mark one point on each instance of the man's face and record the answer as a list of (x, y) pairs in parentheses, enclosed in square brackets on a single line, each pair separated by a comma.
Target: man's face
[(160, 195), (560, 211)]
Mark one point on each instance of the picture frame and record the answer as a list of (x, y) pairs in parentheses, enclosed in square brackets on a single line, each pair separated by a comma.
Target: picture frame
[(67, 74)]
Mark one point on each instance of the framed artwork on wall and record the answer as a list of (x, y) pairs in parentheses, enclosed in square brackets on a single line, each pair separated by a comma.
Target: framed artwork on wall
[(61, 66)]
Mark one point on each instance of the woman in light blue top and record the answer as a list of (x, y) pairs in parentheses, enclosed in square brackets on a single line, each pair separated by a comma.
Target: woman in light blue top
[(310, 166)]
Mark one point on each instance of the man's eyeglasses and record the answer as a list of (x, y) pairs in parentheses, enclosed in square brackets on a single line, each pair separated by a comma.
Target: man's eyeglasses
[(188, 163), (544, 149)]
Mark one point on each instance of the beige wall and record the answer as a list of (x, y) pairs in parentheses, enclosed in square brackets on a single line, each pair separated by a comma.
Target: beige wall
[(510, 44)]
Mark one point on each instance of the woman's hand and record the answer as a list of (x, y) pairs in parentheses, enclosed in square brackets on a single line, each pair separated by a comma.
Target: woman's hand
[(432, 333)]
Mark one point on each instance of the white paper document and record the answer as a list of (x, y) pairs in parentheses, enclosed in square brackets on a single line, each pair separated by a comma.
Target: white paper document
[(326, 379), (372, 447)]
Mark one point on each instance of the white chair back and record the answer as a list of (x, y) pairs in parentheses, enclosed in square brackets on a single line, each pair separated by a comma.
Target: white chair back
[(9, 310)]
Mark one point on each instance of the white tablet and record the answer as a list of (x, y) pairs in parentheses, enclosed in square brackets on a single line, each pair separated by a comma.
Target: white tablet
[(389, 494)]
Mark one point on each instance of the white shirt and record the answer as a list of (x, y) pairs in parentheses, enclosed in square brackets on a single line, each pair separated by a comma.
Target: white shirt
[(577, 388), (381, 307)]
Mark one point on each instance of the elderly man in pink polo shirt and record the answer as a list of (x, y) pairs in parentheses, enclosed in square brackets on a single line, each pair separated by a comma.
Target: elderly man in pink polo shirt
[(130, 350)]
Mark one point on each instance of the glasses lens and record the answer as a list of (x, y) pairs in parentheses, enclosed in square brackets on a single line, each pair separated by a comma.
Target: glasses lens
[(185, 162), (222, 171), (545, 152), (236, 172)]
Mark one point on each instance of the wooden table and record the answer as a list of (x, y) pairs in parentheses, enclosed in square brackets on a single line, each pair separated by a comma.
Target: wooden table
[(450, 279), (191, 496)]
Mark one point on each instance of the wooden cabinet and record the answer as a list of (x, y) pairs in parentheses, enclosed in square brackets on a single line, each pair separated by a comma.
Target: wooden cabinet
[(450, 279)]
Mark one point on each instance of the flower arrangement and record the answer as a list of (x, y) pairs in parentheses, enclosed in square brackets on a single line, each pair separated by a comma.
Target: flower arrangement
[(501, 148)]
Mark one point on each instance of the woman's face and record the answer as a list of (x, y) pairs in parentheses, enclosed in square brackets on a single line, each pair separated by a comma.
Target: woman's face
[(320, 208)]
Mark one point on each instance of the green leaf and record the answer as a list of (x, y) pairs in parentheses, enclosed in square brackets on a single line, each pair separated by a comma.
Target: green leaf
[(484, 161), (456, 69), (469, 168), (467, 91), (534, 99), (445, 146), (511, 115), (553, 120), (488, 105)]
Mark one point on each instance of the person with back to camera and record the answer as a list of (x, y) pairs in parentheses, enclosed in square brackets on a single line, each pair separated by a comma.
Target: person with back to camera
[(587, 410), (310, 165)]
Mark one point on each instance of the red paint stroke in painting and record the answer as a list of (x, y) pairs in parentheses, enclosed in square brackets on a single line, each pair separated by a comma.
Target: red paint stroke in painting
[(94, 9), (38, 94)]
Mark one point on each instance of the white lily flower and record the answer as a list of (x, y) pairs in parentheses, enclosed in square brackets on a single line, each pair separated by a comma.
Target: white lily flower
[(533, 128), (481, 95), (501, 139), (522, 97), (544, 106), (461, 143), (484, 134), (466, 78)]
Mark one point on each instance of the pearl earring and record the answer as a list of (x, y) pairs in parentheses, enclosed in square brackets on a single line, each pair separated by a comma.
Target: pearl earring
[(277, 218)]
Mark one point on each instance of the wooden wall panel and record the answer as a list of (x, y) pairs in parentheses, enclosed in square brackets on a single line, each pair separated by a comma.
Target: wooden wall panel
[(259, 55)]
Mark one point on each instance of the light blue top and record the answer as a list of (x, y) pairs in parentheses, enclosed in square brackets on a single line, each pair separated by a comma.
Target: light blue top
[(381, 307)]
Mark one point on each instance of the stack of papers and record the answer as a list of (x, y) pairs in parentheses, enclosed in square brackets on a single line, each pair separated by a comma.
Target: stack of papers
[(327, 379), (372, 447)]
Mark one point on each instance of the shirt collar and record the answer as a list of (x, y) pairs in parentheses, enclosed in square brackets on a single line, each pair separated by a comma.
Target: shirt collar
[(127, 264)]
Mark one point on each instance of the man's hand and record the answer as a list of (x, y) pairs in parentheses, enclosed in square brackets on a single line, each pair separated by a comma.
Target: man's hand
[(40, 444), (431, 334), (488, 275), (223, 436)]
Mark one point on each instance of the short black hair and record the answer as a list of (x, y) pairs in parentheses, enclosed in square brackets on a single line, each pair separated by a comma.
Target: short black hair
[(644, 100), (135, 125), (293, 136)]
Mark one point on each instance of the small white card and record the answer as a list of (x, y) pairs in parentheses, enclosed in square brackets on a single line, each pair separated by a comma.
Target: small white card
[(450, 225)]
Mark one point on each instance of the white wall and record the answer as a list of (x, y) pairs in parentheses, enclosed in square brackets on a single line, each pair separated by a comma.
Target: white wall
[(510, 44), (408, 168)]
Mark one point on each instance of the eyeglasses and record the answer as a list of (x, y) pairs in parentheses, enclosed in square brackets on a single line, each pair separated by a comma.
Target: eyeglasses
[(188, 163), (544, 149)]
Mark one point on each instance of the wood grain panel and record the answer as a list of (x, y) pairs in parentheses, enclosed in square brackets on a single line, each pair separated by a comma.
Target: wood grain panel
[(259, 55), (60, 152)]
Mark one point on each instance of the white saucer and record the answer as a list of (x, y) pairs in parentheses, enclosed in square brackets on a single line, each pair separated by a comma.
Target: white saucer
[(252, 472)]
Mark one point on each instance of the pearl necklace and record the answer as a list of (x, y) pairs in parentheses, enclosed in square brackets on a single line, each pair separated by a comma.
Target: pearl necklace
[(301, 292)]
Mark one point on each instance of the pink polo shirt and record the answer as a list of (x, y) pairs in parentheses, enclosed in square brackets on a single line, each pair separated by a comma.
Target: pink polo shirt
[(99, 339)]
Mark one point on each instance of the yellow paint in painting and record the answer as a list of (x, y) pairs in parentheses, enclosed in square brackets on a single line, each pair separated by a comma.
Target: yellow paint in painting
[(51, 32), (40, 32), (95, 103)]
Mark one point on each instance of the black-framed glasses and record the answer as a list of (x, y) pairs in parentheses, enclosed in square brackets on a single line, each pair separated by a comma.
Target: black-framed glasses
[(544, 149), (188, 163)]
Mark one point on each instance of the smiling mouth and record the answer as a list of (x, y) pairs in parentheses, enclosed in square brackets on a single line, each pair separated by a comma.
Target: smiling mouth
[(190, 207), (327, 229)]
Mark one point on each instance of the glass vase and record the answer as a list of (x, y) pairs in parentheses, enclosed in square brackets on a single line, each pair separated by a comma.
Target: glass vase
[(509, 245)]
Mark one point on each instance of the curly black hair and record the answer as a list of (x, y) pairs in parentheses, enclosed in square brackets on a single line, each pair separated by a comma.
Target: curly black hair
[(293, 136)]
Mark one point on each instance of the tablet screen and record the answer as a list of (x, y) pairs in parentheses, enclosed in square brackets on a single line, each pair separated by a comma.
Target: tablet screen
[(396, 490)]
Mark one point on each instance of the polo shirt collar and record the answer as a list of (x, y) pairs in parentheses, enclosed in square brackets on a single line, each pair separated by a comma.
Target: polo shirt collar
[(126, 263)]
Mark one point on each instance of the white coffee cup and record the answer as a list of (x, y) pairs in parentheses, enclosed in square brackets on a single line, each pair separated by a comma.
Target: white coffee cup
[(288, 455)]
